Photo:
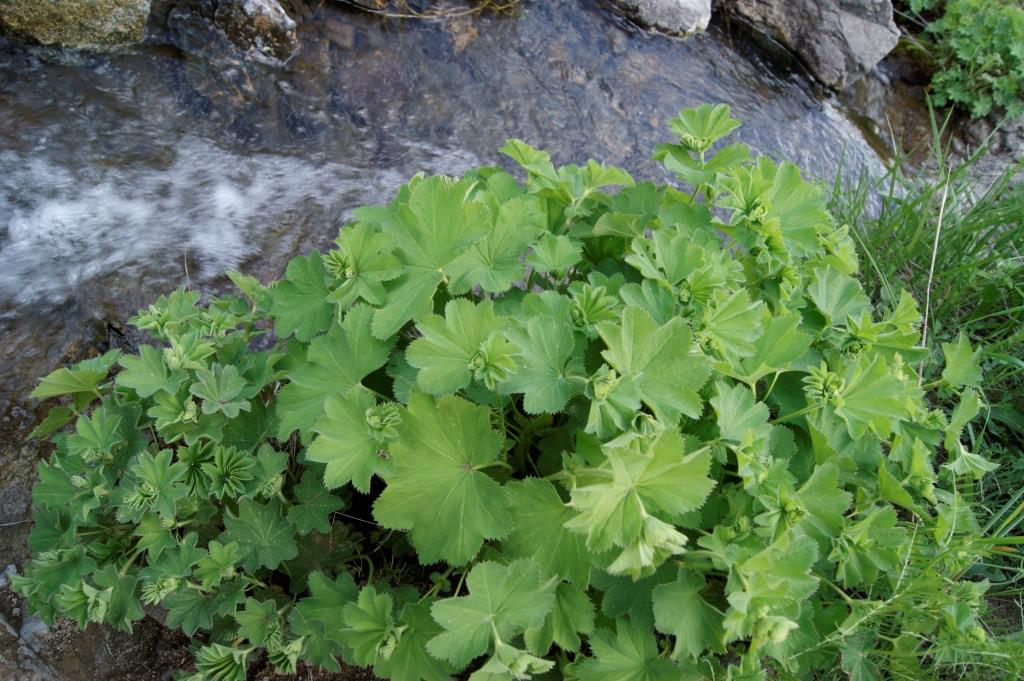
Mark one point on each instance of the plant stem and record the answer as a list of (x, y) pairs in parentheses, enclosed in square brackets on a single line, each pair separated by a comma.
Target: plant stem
[(492, 464), (931, 270), (796, 414)]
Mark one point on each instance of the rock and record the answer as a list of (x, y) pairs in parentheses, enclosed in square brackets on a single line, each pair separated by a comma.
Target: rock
[(260, 25), (1004, 140), (217, 28), (892, 107), (683, 17), (76, 23), (23, 645), (839, 40)]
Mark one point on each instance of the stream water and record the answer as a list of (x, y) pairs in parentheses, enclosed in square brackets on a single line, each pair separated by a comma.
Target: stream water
[(125, 174)]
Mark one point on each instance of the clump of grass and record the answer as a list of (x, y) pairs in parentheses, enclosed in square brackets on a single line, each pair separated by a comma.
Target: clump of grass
[(956, 242)]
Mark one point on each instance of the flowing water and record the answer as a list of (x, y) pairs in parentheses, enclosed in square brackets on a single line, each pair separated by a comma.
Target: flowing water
[(123, 175)]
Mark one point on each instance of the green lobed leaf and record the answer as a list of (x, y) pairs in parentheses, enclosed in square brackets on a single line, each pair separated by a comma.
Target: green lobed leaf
[(146, 373), (84, 377), (799, 207), (439, 490), (56, 418), (636, 486), (318, 618), (681, 611), (259, 622), (780, 347), (363, 262), (548, 360), (837, 296), (410, 661), (300, 303), (732, 323), (263, 535), (97, 435), (538, 516), (495, 262), (221, 389), (658, 362), (509, 662), (965, 411), (872, 397), (191, 610), (313, 505), (327, 598), (775, 581), (450, 346), (554, 253), (742, 421), (509, 598), (352, 437), (699, 128), (571, 615), (369, 624), (962, 367), (335, 363), (434, 228), (628, 654)]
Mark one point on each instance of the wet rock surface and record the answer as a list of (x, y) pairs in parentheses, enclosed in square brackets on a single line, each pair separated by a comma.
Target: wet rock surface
[(838, 40), (76, 23), (260, 25), (889, 104), (684, 17), (227, 31)]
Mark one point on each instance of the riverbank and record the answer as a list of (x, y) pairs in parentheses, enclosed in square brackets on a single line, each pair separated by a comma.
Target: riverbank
[(160, 165)]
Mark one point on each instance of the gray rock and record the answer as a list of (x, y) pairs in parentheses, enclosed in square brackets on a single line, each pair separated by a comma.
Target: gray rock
[(683, 17), (1004, 149), (5, 576), (23, 650), (76, 23), (259, 25), (839, 40), (223, 30)]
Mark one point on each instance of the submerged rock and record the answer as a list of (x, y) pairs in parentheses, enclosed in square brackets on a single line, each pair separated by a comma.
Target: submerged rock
[(683, 17), (839, 40), (76, 23)]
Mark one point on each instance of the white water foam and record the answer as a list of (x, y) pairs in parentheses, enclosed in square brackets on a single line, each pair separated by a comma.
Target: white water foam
[(61, 227)]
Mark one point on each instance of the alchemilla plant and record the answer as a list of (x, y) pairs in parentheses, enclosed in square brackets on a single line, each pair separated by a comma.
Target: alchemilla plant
[(516, 431)]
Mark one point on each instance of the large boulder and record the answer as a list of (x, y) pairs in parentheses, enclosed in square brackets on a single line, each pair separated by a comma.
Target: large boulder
[(76, 23), (839, 40), (682, 17)]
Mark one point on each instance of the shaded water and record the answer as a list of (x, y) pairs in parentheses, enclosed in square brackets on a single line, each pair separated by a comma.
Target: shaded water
[(124, 175)]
